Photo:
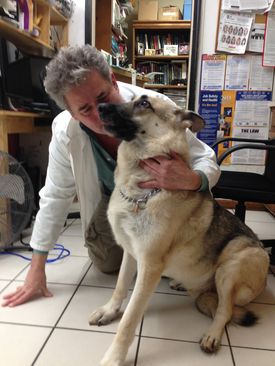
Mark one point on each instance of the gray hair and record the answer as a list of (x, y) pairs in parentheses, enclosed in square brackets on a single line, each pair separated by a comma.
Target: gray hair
[(70, 67)]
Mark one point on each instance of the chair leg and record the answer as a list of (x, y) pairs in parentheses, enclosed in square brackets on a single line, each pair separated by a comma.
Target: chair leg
[(240, 211), (272, 256), (270, 243)]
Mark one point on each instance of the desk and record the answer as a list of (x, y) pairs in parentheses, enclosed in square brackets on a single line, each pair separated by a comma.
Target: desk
[(19, 122), (125, 76)]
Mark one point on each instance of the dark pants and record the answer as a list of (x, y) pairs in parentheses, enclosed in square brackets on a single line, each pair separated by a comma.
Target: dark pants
[(99, 239)]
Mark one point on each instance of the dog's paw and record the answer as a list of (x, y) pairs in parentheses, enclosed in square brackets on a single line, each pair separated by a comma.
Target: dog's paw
[(175, 285), (102, 316), (210, 344)]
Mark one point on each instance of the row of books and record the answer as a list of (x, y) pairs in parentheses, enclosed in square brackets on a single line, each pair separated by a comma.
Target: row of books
[(157, 41), (167, 73), (119, 51)]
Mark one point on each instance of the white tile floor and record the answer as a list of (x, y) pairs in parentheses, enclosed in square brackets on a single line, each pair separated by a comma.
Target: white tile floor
[(55, 331)]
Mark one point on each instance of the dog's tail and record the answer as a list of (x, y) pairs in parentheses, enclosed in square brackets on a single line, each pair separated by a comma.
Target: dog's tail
[(243, 316), (207, 303)]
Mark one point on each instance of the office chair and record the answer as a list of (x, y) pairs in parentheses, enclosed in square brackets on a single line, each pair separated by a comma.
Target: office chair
[(247, 186)]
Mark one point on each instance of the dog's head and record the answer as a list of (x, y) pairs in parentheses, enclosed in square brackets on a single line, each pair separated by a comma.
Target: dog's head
[(147, 117)]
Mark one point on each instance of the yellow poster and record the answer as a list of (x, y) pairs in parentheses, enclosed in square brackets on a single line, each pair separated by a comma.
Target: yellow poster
[(226, 121)]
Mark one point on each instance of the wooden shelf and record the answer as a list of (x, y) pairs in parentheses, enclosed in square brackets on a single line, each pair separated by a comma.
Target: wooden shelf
[(161, 57), (126, 76), (20, 122), (175, 68), (48, 17), (172, 24), (162, 86), (56, 16), (24, 40), (6, 113)]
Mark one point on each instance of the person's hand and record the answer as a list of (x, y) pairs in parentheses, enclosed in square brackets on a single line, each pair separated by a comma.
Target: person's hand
[(170, 173), (35, 284)]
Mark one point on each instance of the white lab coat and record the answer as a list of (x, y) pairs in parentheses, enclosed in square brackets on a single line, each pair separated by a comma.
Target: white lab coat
[(72, 169)]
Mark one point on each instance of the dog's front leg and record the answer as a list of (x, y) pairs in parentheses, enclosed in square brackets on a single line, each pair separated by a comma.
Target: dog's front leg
[(148, 277), (105, 314)]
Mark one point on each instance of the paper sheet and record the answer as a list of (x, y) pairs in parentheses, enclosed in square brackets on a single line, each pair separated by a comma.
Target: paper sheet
[(213, 72), (247, 5), (237, 72), (261, 78), (269, 44), (234, 31)]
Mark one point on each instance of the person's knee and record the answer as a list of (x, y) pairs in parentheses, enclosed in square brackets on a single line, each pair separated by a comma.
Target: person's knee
[(110, 263), (99, 239)]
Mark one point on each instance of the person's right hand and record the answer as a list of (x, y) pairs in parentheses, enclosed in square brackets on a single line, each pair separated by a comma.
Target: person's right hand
[(35, 284)]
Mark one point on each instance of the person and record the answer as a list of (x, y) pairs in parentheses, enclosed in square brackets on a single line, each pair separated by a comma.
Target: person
[(82, 160)]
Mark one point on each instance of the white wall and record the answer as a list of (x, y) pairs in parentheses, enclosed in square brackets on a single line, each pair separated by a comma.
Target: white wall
[(209, 20), (77, 24)]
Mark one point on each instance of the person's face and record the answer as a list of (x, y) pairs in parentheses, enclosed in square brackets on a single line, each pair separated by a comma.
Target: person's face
[(83, 100)]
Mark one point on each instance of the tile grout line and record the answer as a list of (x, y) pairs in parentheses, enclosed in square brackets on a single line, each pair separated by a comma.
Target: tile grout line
[(26, 324), (55, 325), (139, 340), (13, 279), (230, 347), (254, 348), (66, 226)]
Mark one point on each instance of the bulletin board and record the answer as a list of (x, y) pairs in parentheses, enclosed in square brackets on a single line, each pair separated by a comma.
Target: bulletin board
[(244, 31), (236, 85)]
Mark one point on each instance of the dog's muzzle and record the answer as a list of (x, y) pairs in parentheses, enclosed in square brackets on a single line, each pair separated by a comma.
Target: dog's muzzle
[(117, 121)]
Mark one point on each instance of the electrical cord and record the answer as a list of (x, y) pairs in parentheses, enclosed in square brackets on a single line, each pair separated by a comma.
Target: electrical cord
[(63, 252)]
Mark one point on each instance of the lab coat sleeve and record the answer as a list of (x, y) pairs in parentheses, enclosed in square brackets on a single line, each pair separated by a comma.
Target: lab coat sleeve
[(203, 158), (57, 194)]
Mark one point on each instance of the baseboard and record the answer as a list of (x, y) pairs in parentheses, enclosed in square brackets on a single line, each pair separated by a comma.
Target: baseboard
[(229, 204), (270, 208)]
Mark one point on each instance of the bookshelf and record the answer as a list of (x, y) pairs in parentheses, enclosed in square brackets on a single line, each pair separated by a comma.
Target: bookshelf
[(110, 29), (52, 31), (154, 53)]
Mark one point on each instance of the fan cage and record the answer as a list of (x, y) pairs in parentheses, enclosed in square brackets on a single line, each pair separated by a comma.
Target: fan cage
[(14, 216)]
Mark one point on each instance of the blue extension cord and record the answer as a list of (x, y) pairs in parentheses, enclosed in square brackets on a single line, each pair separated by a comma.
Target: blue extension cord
[(56, 247)]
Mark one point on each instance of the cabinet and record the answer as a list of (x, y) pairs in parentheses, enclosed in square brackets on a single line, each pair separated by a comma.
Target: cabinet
[(161, 49), (20, 122), (51, 31)]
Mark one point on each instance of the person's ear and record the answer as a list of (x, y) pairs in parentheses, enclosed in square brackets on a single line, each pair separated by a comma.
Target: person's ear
[(114, 82)]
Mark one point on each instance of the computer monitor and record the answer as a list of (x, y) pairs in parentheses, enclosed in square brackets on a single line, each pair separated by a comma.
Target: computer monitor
[(23, 78), (22, 75)]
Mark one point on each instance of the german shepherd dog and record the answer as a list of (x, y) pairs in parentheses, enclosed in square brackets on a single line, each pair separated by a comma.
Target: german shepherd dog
[(184, 235)]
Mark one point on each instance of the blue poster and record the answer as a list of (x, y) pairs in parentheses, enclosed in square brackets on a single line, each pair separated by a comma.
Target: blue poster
[(210, 110), (254, 95)]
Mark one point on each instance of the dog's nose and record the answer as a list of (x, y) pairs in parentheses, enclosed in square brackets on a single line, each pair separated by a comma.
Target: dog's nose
[(102, 107)]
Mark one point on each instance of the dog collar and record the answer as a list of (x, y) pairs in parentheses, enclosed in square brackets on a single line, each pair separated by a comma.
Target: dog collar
[(140, 203)]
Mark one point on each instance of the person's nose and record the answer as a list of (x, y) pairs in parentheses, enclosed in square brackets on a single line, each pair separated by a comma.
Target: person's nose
[(95, 113)]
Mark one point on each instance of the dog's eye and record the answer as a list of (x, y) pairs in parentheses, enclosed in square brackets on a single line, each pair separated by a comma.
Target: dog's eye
[(144, 103)]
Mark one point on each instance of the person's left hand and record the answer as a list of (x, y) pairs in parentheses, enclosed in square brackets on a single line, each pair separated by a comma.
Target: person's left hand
[(170, 173)]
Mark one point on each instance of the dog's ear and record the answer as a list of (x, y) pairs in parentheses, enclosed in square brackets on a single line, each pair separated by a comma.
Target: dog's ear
[(191, 119)]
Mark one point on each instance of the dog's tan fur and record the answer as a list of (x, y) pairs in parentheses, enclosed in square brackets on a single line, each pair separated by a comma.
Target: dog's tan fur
[(181, 234)]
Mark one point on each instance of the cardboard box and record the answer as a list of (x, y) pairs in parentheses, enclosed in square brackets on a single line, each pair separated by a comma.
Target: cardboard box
[(148, 10), (169, 13)]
